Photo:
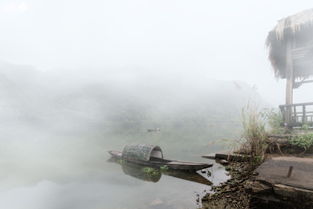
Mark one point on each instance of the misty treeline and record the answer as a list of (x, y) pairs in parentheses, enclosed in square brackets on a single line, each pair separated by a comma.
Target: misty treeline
[(82, 113)]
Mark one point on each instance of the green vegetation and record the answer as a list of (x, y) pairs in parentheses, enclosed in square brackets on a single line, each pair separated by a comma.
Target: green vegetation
[(274, 119), (151, 171), (254, 134), (164, 168), (120, 161), (304, 141), (305, 127)]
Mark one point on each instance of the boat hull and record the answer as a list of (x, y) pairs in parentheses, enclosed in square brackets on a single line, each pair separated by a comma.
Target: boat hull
[(159, 162)]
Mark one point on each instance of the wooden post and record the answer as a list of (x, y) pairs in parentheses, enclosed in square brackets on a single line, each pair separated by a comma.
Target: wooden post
[(289, 171), (303, 115), (289, 81), (283, 111)]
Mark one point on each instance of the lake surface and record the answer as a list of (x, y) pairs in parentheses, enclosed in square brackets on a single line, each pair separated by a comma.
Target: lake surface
[(56, 131), (107, 187), (41, 171)]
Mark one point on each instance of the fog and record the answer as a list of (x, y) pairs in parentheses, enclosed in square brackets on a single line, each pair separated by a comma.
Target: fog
[(51, 118), (79, 78), (56, 129), (221, 40)]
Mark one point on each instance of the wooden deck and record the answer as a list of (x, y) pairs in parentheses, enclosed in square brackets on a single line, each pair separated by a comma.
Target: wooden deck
[(276, 171), (288, 176)]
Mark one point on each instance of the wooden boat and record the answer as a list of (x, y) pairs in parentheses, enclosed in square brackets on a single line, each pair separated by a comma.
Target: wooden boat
[(152, 156)]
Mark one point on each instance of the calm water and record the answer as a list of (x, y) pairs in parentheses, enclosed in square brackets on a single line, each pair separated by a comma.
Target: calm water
[(107, 187), (73, 172)]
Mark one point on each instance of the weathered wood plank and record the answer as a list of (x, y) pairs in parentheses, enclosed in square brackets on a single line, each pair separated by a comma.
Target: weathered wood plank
[(228, 157), (275, 171), (292, 192)]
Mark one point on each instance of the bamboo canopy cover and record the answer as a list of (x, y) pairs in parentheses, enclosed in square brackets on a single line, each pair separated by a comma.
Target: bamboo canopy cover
[(141, 152), (297, 32)]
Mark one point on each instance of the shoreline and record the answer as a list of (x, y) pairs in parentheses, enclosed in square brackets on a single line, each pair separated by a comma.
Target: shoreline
[(232, 193), (242, 189)]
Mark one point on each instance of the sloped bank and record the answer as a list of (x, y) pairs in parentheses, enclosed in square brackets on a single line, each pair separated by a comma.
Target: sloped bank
[(245, 190), (233, 193)]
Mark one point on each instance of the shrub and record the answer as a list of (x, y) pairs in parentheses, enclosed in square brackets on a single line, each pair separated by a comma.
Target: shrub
[(274, 120), (304, 141)]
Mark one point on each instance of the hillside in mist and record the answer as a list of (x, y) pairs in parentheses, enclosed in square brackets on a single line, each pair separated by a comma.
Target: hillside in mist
[(117, 101)]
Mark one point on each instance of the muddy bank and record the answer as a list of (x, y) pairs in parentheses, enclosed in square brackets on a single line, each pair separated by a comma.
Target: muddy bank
[(243, 191), (233, 193)]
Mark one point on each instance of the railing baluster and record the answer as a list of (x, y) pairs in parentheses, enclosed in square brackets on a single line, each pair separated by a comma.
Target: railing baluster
[(294, 114), (293, 118), (304, 115)]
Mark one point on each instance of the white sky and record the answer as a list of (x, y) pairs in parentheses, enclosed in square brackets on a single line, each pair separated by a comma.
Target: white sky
[(223, 40)]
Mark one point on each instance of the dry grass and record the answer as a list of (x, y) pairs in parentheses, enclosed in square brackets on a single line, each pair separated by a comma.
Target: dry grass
[(254, 134)]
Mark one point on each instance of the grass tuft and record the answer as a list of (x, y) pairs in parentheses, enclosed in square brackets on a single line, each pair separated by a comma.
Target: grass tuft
[(254, 134)]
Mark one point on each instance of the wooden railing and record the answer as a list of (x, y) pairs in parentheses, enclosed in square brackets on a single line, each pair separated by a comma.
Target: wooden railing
[(296, 115)]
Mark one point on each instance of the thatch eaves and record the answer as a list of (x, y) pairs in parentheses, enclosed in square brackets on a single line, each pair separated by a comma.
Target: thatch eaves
[(296, 30)]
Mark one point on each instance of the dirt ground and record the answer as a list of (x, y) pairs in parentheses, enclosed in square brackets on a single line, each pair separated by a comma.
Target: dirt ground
[(237, 193)]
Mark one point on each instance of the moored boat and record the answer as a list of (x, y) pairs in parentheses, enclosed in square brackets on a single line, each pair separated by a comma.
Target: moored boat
[(152, 156)]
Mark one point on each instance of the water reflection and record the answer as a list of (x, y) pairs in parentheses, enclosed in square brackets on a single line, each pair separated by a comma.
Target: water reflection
[(154, 175), (104, 185)]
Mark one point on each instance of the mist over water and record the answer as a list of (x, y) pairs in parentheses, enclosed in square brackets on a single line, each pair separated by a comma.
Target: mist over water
[(56, 131), (80, 78)]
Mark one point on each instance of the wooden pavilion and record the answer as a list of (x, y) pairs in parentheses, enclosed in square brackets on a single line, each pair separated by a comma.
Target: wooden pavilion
[(290, 46)]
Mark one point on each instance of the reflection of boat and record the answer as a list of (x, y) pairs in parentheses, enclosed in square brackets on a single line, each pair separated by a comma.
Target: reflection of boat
[(149, 155), (189, 176), (139, 172)]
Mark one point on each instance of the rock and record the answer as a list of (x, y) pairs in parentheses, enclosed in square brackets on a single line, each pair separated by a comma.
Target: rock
[(223, 162)]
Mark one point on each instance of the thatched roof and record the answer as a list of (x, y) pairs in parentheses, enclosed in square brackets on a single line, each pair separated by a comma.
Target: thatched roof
[(296, 29)]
